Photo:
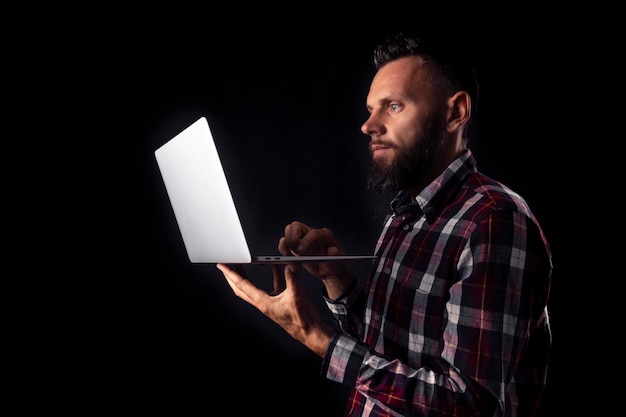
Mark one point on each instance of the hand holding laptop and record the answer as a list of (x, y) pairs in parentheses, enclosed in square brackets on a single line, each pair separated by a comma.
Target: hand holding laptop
[(300, 239), (288, 304)]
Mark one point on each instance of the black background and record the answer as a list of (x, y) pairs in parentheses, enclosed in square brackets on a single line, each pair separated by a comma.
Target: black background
[(151, 332)]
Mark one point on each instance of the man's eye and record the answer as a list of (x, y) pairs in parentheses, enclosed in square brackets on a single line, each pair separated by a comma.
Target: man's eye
[(394, 107)]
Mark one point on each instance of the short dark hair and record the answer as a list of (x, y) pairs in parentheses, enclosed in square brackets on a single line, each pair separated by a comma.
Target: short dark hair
[(452, 68)]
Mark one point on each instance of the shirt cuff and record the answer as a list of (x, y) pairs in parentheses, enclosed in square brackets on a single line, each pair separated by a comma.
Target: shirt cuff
[(343, 359)]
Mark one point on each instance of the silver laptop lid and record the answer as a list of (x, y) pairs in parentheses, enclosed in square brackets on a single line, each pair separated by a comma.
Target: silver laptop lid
[(198, 191)]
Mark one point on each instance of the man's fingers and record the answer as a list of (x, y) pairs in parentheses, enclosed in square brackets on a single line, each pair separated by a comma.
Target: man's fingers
[(238, 268), (291, 275), (241, 286), (279, 280), (294, 233), (283, 247)]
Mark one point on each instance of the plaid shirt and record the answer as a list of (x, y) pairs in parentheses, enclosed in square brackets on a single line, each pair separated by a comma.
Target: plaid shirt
[(454, 319)]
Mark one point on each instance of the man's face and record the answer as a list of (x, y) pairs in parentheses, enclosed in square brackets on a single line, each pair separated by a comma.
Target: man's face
[(405, 126)]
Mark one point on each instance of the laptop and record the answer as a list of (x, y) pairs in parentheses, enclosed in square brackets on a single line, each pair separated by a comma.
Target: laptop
[(203, 206)]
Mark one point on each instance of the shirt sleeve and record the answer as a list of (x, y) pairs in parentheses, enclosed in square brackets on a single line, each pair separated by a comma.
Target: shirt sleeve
[(495, 302)]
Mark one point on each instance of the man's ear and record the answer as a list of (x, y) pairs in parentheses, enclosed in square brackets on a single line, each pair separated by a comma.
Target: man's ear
[(459, 110)]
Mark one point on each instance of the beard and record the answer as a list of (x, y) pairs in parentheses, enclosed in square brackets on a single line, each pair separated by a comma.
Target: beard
[(410, 165)]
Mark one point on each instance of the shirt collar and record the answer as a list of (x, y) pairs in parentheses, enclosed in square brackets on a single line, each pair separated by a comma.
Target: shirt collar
[(434, 196)]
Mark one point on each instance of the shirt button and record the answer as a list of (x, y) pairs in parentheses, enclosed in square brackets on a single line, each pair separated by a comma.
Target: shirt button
[(387, 271), (377, 317), (405, 227)]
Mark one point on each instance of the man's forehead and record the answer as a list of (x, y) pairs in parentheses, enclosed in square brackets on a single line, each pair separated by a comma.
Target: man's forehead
[(399, 75)]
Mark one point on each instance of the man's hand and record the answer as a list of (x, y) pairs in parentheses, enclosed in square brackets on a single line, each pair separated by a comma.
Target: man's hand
[(300, 239), (288, 305)]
